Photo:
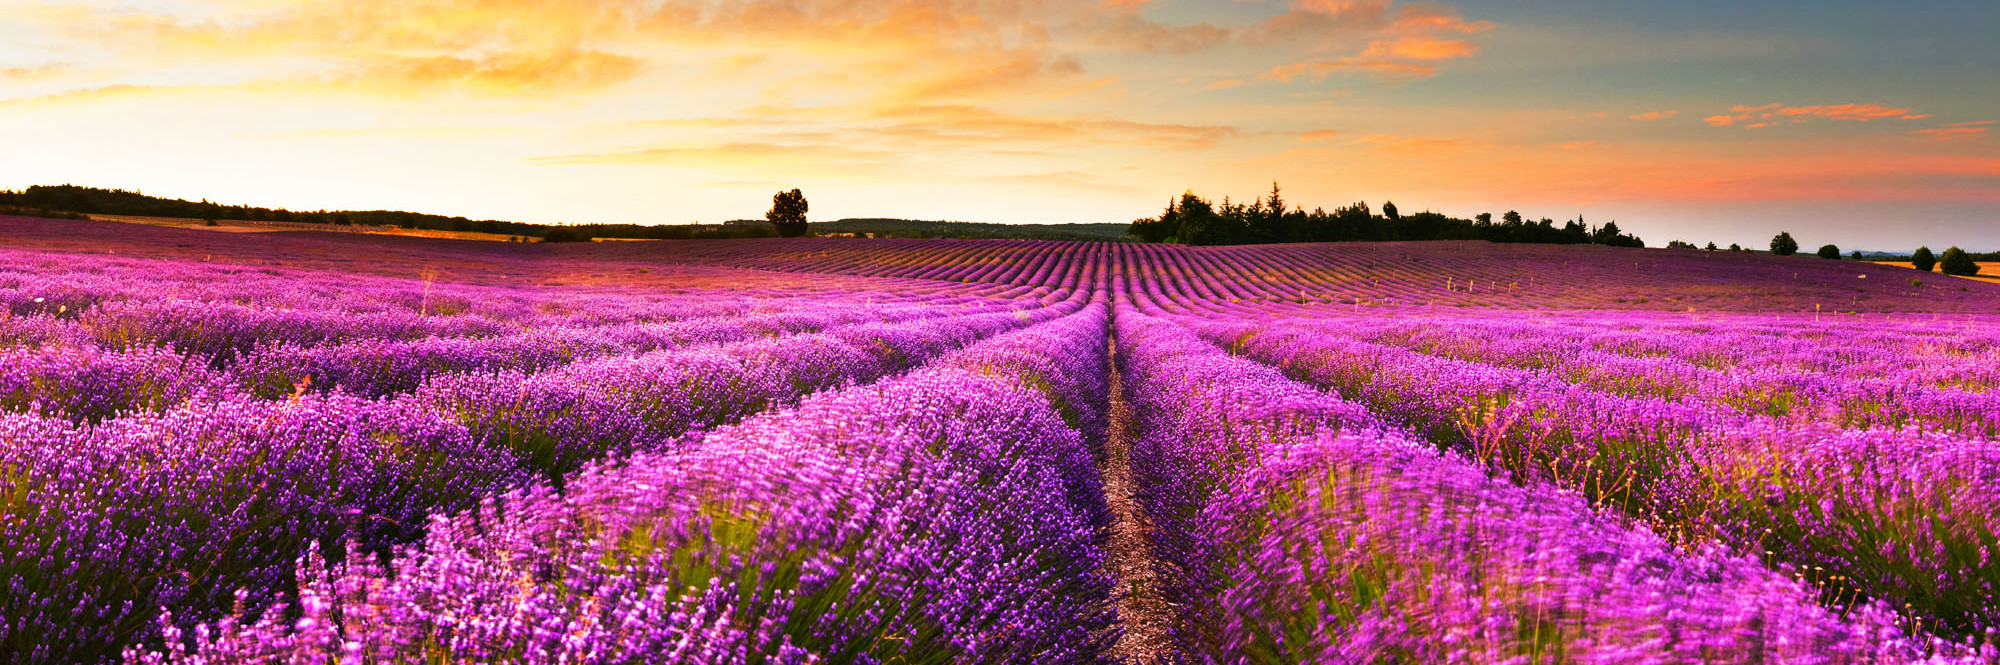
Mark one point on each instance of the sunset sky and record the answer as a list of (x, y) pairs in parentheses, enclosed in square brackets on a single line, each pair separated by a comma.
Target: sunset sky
[(1866, 124)]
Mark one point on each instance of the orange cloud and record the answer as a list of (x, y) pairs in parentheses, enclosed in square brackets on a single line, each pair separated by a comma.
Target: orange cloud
[(1132, 32), (1947, 133), (1400, 48), (1428, 19), (504, 47), (503, 74), (1320, 135), (1960, 130), (1320, 69), (31, 73), (1418, 48), (1654, 115), (1224, 84), (967, 125), (1773, 114)]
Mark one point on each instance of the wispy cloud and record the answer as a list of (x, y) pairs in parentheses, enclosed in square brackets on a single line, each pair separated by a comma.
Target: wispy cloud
[(32, 73), (1654, 115), (1757, 117), (1402, 43), (1960, 130)]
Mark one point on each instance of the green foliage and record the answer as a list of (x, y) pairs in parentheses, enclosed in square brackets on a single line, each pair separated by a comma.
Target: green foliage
[(1193, 220), (9, 209), (1682, 244), (911, 228), (1784, 245), (1923, 259), (1957, 262), (567, 234), (1829, 252), (788, 213)]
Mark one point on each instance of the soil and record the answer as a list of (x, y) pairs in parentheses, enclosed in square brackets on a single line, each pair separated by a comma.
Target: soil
[(1143, 611)]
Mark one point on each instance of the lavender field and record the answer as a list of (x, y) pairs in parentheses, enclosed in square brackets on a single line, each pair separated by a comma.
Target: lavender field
[(321, 448)]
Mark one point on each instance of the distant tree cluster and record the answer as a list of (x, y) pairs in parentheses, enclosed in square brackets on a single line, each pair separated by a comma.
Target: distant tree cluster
[(567, 234), (1192, 220), (1954, 262), (69, 201), (94, 200)]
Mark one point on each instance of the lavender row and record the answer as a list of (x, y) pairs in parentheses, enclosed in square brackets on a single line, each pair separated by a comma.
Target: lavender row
[(34, 283), (105, 525), (1915, 349), (1904, 517), (1300, 533), (219, 332), (380, 368), (1854, 384), (217, 313), (947, 516), (89, 384)]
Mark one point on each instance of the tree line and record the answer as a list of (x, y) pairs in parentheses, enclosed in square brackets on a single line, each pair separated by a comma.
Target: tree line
[(74, 202), (1192, 220), (1954, 262)]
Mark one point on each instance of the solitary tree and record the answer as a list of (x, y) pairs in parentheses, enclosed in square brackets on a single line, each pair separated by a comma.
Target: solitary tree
[(1735, 247), (1389, 210), (1784, 245), (1923, 259), (788, 213), (1829, 252), (1856, 255), (1957, 262), (1711, 246)]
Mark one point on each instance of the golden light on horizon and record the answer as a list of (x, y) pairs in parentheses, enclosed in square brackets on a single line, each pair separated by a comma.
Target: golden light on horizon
[(651, 111)]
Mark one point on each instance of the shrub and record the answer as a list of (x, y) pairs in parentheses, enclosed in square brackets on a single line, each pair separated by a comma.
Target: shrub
[(1957, 262), (1829, 252), (1923, 259)]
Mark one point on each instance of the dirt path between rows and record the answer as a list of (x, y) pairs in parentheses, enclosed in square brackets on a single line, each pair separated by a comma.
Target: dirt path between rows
[(1143, 612)]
